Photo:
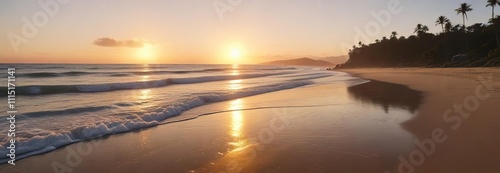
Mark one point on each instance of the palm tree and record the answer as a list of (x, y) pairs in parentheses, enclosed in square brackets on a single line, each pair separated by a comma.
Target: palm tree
[(394, 35), (442, 20), (421, 29), (418, 28), (448, 27), (425, 29), (463, 9), (492, 4)]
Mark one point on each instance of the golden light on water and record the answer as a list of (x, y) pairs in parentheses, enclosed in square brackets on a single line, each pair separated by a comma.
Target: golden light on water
[(236, 104), (146, 70), (235, 85), (145, 94), (145, 78), (235, 70)]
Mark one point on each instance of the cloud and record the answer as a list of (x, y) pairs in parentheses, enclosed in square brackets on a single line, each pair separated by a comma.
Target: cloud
[(110, 42)]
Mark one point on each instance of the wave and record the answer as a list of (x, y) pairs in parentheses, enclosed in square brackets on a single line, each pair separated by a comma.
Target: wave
[(225, 67), (63, 112), (311, 77), (119, 75), (91, 88), (177, 72), (41, 144), (53, 74), (307, 74), (128, 73)]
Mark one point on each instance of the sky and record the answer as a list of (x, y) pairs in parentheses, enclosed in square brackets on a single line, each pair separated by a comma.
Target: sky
[(208, 31)]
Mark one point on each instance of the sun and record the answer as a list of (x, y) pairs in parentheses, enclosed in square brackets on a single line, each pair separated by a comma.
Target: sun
[(235, 53), (146, 52)]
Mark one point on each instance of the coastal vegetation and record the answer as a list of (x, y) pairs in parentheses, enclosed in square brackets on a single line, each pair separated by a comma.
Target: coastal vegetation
[(457, 45)]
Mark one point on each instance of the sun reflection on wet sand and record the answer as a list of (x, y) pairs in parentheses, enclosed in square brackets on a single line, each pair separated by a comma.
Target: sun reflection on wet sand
[(237, 121), (236, 128), (144, 141)]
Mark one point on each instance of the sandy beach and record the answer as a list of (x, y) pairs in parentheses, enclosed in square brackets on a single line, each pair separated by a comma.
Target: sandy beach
[(398, 122), (472, 145)]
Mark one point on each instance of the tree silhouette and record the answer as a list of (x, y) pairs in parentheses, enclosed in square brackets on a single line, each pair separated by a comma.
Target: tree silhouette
[(425, 49), (421, 29), (463, 9), (492, 4), (394, 35), (442, 20), (448, 27)]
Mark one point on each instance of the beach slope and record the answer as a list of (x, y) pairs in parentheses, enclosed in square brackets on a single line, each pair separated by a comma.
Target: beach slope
[(462, 102)]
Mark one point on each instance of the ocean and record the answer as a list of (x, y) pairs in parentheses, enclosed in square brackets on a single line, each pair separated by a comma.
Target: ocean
[(63, 104)]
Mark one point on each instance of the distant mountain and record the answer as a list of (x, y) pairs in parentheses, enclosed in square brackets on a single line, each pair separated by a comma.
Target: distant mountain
[(300, 62), (336, 59)]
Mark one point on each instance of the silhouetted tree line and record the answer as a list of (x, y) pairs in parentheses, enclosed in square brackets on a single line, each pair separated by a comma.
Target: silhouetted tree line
[(476, 45)]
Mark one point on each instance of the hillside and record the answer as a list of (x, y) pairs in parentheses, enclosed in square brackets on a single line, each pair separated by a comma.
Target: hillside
[(336, 59), (456, 46), (300, 62)]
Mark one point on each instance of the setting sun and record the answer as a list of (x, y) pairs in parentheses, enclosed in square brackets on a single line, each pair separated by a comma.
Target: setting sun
[(235, 53), (146, 52)]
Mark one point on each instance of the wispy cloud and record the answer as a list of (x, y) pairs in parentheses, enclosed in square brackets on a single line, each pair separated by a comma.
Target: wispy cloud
[(130, 43)]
